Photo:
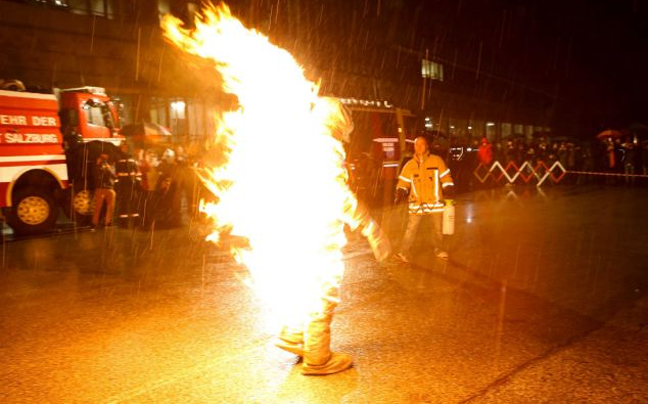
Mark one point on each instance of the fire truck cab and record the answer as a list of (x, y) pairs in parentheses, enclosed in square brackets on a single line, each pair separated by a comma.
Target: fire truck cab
[(47, 143), (378, 145)]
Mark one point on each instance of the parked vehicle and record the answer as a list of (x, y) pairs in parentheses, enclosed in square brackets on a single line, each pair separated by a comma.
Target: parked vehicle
[(47, 145), (378, 145)]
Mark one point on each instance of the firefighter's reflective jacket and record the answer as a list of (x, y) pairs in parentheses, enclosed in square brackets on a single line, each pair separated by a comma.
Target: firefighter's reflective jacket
[(425, 180)]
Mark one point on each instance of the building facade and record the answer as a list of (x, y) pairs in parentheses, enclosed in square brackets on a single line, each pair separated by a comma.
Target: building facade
[(450, 74)]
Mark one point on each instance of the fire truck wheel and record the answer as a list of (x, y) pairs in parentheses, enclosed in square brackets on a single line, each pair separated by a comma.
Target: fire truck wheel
[(83, 205), (33, 211)]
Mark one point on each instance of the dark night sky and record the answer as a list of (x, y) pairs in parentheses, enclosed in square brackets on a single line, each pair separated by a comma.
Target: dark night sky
[(593, 54), (608, 57), (590, 56)]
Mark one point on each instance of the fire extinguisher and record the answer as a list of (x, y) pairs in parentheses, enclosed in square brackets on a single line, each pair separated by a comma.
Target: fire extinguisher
[(448, 217)]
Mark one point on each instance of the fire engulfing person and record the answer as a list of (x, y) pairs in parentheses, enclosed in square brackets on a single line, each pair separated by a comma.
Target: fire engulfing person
[(281, 183)]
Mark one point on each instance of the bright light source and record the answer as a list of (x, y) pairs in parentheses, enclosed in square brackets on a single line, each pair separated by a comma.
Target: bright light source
[(178, 109), (470, 128), (490, 124), (452, 127), (366, 103), (469, 220), (178, 106)]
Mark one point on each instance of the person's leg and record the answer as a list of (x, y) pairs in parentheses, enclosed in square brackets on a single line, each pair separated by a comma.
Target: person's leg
[(291, 339), (110, 205), (413, 222), (318, 358), (436, 220), (99, 196)]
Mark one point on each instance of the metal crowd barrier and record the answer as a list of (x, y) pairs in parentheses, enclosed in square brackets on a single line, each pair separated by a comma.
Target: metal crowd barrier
[(539, 173), (525, 172)]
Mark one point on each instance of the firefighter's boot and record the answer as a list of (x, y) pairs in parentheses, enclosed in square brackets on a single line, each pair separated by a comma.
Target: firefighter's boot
[(318, 358), (291, 340)]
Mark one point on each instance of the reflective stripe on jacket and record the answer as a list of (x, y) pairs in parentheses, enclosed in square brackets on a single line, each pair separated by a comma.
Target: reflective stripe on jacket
[(425, 181)]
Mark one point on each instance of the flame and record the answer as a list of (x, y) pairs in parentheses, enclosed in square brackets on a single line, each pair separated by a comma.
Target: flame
[(282, 185)]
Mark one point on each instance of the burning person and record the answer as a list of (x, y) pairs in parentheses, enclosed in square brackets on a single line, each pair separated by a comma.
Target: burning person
[(280, 183), (312, 340)]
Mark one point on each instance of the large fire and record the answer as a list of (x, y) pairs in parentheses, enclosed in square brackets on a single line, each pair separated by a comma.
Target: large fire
[(282, 184)]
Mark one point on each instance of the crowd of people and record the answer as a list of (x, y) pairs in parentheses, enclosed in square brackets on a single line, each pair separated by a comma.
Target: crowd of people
[(145, 187), (618, 155)]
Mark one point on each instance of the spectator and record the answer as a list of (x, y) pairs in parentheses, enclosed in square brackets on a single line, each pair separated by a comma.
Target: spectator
[(104, 179), (150, 175), (127, 186), (541, 153), (509, 152), (498, 153), (167, 190), (628, 160), (644, 157), (485, 153)]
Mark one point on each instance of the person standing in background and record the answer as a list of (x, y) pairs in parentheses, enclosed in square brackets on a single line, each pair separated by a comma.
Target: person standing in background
[(104, 180), (426, 179)]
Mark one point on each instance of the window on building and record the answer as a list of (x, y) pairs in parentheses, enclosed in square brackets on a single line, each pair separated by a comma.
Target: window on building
[(192, 10), (159, 112), (164, 7), (491, 131), (528, 131), (178, 109), (507, 130), (431, 70), (518, 129), (53, 3), (100, 8)]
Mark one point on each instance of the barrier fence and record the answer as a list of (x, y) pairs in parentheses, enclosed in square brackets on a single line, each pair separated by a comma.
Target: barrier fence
[(540, 173)]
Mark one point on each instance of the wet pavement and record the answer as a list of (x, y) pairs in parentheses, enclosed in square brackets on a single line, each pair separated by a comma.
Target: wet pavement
[(542, 301)]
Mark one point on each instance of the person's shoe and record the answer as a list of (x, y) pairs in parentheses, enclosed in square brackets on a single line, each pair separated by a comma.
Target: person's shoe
[(291, 340), (318, 358), (443, 255), (402, 257), (295, 349), (338, 362)]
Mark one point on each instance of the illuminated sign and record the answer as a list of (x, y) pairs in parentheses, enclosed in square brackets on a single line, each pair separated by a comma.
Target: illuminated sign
[(22, 120), (28, 138), (352, 102)]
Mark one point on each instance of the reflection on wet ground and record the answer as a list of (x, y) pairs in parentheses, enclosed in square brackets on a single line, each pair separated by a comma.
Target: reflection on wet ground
[(129, 316)]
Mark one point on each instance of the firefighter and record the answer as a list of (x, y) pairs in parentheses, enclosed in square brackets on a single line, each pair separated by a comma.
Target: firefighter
[(426, 179), (104, 180), (167, 204), (312, 340), (127, 186)]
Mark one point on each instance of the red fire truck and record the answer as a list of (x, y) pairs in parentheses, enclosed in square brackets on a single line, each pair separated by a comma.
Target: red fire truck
[(47, 145), (379, 143)]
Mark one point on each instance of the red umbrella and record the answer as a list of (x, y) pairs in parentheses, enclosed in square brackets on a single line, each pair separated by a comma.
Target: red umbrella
[(147, 133), (145, 129), (609, 133)]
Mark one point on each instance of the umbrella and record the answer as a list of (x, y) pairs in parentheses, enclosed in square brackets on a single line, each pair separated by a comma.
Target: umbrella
[(144, 129), (609, 133)]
